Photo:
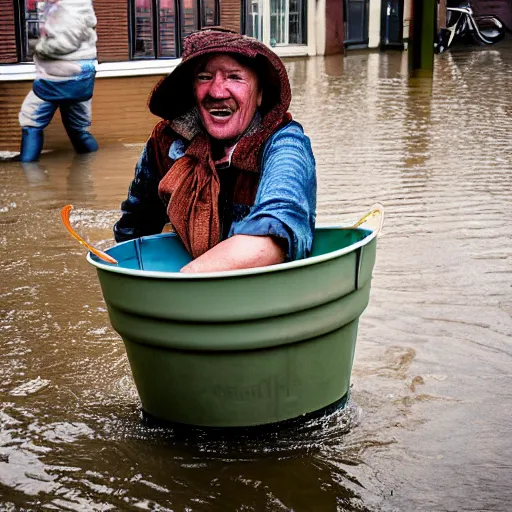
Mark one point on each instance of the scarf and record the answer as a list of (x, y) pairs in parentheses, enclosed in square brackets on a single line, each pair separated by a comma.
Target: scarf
[(191, 186)]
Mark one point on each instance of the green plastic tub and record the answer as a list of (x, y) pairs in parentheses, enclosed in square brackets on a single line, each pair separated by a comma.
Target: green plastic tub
[(239, 348)]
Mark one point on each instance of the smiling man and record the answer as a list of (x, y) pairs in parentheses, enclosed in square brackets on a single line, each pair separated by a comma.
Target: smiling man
[(227, 167)]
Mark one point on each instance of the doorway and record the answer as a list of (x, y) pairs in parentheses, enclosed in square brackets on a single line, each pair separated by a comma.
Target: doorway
[(355, 16)]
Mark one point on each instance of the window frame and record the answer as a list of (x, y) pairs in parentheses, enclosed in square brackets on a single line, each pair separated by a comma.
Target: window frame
[(200, 22), (266, 19), (303, 16), (20, 34), (155, 31), (246, 4), (20, 28), (202, 14)]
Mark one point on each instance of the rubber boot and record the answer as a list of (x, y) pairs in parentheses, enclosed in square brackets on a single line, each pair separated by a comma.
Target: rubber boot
[(32, 140), (82, 141)]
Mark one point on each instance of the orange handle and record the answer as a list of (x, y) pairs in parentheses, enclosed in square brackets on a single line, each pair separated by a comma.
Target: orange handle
[(64, 213)]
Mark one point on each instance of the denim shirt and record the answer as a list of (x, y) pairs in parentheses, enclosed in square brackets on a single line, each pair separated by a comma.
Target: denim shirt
[(285, 204)]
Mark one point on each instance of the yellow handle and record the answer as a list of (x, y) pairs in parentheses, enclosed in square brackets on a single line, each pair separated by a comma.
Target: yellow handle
[(376, 209), (65, 218)]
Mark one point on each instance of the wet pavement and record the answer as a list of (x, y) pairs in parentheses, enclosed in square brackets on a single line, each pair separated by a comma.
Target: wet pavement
[(428, 426)]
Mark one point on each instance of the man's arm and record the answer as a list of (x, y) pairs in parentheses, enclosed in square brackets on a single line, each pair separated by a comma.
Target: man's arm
[(143, 212), (280, 225), (237, 252)]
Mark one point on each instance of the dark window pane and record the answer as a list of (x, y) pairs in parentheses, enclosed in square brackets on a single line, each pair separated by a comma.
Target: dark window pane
[(254, 19), (356, 21), (167, 44), (296, 31), (278, 25), (188, 17), (208, 15), (34, 14), (144, 29)]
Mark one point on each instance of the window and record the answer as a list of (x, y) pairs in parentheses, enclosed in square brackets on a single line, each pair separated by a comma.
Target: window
[(254, 19), (296, 24), (209, 13), (167, 39), (154, 31), (188, 17), (158, 33), (30, 14), (287, 20), (144, 23)]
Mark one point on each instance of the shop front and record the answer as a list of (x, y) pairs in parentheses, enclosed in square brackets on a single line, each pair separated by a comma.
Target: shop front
[(145, 37), (153, 30)]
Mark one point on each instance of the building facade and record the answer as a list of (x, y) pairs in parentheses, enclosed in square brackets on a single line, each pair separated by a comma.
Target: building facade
[(140, 40), (145, 37), (147, 32)]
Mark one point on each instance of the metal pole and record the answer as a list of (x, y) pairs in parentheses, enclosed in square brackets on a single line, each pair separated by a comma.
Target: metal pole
[(421, 36)]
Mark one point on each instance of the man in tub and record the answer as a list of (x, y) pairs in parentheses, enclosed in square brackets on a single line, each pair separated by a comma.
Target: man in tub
[(227, 168)]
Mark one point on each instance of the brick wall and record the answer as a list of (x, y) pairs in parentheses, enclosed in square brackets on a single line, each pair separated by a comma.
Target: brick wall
[(119, 113), (230, 14), (8, 53), (112, 29)]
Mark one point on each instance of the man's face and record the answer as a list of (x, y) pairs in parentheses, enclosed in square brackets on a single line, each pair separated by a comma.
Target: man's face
[(227, 95)]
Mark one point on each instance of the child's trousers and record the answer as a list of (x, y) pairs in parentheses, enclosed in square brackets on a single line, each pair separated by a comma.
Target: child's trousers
[(35, 116)]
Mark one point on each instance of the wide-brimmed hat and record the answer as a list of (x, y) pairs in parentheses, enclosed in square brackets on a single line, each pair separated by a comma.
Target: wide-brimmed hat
[(173, 96)]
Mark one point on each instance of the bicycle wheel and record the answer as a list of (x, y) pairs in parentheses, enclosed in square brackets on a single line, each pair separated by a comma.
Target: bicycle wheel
[(488, 29)]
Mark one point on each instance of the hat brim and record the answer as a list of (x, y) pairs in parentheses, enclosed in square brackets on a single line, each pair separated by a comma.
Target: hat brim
[(173, 95)]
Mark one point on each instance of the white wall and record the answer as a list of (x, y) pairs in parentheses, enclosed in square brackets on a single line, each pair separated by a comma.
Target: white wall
[(407, 17), (374, 24), (320, 25), (312, 27)]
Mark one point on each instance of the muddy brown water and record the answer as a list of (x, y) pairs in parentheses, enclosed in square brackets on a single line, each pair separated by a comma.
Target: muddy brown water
[(429, 423)]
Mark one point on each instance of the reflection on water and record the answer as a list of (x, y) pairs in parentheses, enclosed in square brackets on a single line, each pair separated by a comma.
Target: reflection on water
[(428, 424)]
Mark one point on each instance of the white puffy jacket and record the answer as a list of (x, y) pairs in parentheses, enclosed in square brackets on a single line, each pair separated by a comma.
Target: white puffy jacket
[(69, 31)]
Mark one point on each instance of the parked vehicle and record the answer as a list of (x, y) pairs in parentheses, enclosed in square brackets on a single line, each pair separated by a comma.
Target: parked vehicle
[(463, 26)]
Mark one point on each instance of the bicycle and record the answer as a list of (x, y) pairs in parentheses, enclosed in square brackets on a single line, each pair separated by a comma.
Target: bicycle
[(462, 24)]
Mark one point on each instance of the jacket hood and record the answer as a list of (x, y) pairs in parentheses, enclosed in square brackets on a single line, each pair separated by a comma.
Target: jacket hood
[(173, 95)]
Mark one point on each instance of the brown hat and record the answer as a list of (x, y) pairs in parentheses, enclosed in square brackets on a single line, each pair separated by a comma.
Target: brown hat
[(173, 95)]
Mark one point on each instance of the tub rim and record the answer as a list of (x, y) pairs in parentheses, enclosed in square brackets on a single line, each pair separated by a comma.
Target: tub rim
[(240, 272)]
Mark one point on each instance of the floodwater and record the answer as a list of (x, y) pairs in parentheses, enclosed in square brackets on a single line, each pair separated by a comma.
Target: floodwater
[(429, 423)]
